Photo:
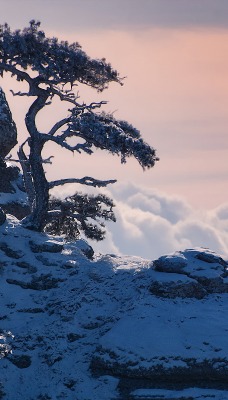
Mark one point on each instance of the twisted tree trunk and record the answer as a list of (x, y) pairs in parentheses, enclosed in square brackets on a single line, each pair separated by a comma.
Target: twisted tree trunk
[(38, 216), (37, 219)]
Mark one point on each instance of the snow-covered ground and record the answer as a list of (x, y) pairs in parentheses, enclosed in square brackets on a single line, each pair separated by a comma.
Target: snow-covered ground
[(111, 327)]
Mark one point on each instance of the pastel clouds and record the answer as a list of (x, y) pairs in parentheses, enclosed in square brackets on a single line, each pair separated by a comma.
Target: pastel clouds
[(150, 224)]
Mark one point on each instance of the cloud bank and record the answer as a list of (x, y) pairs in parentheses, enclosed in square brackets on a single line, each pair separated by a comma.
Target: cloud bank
[(150, 224)]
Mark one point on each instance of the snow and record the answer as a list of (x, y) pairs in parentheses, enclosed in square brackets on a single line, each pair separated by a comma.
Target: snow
[(188, 333), (62, 314), (192, 393)]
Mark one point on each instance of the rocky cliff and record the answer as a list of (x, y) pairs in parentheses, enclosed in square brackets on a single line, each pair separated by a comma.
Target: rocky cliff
[(80, 326)]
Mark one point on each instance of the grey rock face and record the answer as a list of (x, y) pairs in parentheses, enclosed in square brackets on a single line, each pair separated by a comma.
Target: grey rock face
[(2, 216), (8, 130)]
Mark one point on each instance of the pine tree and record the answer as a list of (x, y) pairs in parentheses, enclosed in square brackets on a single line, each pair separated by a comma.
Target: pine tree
[(52, 69)]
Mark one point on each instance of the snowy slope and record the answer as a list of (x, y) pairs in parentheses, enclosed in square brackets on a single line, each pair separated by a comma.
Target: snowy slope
[(111, 327)]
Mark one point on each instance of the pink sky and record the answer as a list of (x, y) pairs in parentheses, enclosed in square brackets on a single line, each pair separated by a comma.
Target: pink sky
[(176, 93)]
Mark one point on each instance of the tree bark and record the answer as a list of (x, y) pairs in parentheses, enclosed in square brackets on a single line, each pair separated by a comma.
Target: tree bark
[(27, 176), (39, 213), (36, 220)]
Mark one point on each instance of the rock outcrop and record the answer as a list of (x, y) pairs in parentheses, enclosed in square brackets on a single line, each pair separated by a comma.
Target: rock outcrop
[(8, 130), (175, 336), (199, 274), (13, 199)]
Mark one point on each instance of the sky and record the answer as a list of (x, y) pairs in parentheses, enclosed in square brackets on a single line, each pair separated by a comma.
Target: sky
[(174, 55)]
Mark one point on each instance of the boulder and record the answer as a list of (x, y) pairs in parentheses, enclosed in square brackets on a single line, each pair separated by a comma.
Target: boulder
[(189, 274), (171, 263)]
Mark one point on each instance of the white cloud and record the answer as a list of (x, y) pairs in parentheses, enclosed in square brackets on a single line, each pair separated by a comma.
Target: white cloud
[(221, 212), (150, 224)]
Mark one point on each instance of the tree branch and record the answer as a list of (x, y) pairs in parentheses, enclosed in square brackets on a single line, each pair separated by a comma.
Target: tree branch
[(58, 125), (71, 98), (47, 160), (94, 105), (87, 180), (25, 160), (19, 93), (60, 140), (20, 74), (58, 213)]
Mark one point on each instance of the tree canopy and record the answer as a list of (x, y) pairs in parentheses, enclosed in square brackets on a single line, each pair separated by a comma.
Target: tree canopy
[(51, 69)]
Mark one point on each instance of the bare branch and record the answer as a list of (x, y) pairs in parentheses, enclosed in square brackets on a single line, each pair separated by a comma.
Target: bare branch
[(47, 160), (58, 125), (25, 160), (94, 105), (79, 147), (60, 140), (87, 180), (19, 93), (71, 98)]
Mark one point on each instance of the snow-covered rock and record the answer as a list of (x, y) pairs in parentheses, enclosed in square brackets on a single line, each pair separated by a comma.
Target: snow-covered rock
[(178, 335), (13, 199), (199, 272), (80, 329), (8, 130)]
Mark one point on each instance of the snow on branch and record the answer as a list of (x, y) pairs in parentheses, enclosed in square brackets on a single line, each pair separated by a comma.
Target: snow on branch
[(53, 61), (87, 180), (118, 137)]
